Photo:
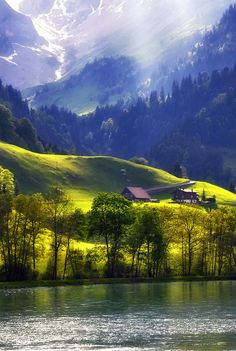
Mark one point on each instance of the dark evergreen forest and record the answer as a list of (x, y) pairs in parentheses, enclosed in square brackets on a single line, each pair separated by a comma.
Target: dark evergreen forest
[(195, 125)]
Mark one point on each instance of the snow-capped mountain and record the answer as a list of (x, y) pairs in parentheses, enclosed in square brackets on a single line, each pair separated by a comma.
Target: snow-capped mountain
[(24, 55), (80, 30)]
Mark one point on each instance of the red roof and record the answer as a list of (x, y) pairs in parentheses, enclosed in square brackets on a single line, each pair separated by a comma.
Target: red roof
[(139, 193)]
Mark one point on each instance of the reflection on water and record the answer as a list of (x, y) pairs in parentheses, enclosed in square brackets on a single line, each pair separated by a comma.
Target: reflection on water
[(165, 316)]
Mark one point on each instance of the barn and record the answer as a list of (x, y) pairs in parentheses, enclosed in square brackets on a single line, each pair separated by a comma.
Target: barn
[(136, 194)]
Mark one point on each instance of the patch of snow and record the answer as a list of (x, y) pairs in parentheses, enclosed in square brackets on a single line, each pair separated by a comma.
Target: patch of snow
[(100, 8), (10, 58), (14, 4), (35, 49)]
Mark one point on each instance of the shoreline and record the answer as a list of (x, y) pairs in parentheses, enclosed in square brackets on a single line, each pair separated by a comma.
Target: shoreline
[(107, 281)]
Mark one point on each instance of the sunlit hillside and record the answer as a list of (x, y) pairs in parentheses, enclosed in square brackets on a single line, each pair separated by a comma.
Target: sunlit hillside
[(83, 177)]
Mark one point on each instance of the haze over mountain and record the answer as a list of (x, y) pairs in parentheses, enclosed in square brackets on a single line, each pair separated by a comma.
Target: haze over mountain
[(79, 31), (101, 82), (24, 54), (107, 80)]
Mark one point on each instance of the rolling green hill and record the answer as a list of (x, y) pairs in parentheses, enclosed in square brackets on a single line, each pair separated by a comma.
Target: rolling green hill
[(83, 177)]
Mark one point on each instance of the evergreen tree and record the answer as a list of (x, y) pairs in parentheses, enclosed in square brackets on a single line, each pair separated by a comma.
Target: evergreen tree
[(203, 196), (177, 170), (232, 188)]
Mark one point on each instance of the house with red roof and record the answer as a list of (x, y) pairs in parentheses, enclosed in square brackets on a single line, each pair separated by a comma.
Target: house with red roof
[(136, 194)]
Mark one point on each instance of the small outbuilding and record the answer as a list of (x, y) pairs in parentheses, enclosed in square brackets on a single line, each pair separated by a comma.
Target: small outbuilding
[(185, 196), (136, 194)]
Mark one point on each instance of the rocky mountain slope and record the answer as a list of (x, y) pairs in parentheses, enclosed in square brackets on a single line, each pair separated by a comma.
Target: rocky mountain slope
[(80, 31), (25, 58)]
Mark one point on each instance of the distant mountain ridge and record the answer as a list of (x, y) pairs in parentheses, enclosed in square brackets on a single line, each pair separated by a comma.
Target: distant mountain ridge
[(80, 31), (212, 50)]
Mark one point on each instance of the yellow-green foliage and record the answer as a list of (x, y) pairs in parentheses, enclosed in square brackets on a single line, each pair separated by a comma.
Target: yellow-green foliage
[(223, 197), (44, 250), (81, 177), (6, 180)]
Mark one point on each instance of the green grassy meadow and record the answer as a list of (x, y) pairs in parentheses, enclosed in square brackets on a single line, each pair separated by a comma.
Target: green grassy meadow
[(223, 196), (81, 177), (84, 177)]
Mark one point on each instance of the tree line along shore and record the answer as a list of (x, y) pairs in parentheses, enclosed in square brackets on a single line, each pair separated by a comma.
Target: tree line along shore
[(43, 237)]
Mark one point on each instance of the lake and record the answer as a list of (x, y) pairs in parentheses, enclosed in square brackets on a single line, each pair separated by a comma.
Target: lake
[(164, 316)]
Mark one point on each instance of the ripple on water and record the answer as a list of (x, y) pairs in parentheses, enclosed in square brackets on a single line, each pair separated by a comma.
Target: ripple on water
[(90, 319)]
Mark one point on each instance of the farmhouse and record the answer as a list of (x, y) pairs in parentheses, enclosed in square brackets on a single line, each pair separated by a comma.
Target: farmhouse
[(185, 196), (136, 194)]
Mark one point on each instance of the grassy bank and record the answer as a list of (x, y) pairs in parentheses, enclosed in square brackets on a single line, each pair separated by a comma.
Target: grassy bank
[(108, 281)]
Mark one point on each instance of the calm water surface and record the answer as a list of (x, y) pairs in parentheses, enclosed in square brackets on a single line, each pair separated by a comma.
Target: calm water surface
[(165, 316)]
